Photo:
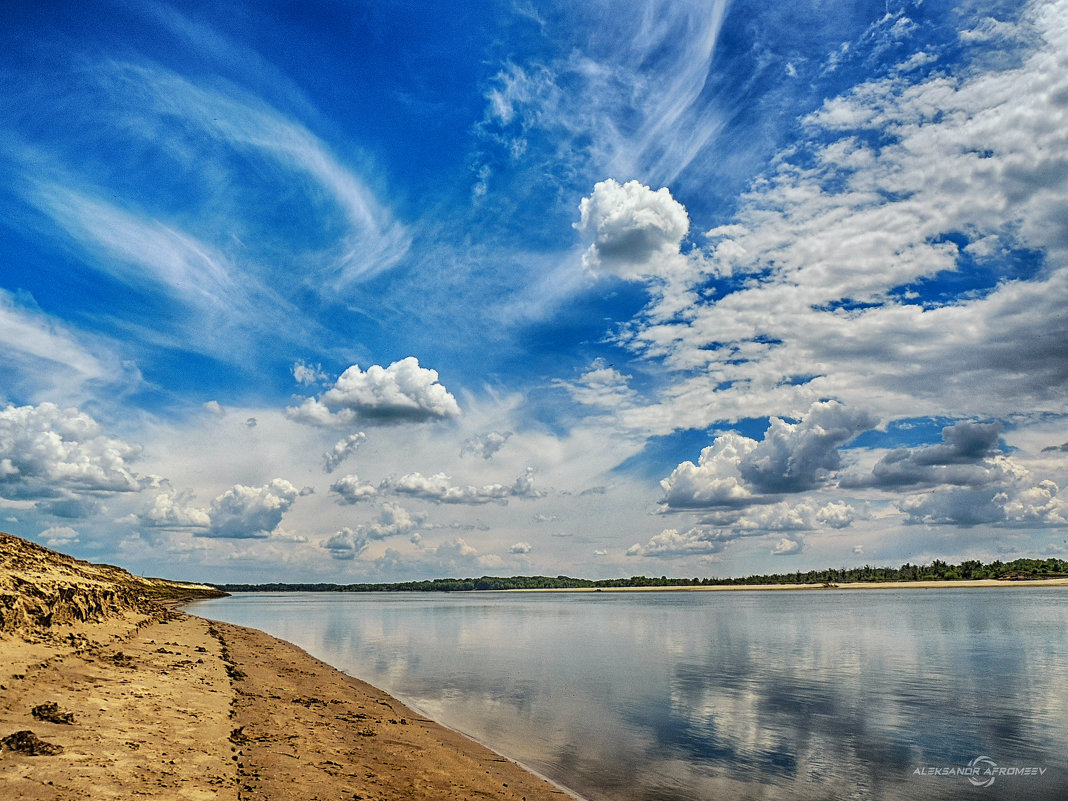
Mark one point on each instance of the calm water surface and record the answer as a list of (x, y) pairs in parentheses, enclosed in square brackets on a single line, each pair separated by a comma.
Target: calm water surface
[(720, 695)]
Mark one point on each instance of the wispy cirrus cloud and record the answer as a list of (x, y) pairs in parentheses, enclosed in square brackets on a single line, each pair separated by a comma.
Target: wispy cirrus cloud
[(371, 240), (44, 356), (203, 288), (609, 103)]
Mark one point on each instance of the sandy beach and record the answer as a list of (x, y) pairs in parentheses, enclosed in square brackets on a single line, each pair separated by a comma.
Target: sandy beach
[(125, 698)]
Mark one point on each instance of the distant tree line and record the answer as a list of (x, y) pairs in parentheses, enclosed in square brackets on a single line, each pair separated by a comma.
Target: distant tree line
[(937, 570)]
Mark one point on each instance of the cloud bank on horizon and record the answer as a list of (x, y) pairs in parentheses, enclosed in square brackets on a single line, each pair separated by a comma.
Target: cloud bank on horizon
[(697, 289)]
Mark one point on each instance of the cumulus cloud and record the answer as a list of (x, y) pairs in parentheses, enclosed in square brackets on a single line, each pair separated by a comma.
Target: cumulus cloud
[(170, 509), (45, 449), (805, 516), (485, 445), (964, 480), (439, 489), (1004, 493), (635, 231), (521, 548), (250, 512), (787, 547), (346, 544), (392, 521), (342, 450), (670, 544), (404, 392), (351, 490), (718, 529), (962, 457), (793, 457), (58, 536)]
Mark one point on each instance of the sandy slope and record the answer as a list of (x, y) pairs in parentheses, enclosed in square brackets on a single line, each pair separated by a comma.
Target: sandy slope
[(166, 705)]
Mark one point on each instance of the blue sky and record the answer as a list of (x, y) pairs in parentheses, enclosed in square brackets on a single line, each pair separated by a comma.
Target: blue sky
[(341, 291)]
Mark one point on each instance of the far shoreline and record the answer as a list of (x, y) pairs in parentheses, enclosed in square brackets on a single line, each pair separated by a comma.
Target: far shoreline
[(845, 585), (853, 585)]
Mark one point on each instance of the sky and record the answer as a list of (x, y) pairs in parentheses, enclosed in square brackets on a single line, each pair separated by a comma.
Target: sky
[(352, 292)]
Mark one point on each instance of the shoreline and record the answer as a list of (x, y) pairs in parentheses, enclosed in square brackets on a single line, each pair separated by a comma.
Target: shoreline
[(183, 707), (854, 585), (396, 700)]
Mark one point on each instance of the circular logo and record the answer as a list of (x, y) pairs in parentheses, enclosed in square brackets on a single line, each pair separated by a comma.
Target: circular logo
[(978, 763)]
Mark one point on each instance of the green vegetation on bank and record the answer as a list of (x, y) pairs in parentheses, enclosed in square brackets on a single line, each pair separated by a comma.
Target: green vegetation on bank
[(937, 570)]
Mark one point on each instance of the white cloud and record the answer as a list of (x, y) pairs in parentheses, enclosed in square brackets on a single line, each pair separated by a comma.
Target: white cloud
[(345, 544), (250, 512), (460, 555), (805, 516), (393, 521), (308, 373), (793, 457), (787, 547), (601, 385), (404, 392), (210, 290), (170, 509), (485, 445), (670, 544), (715, 480), (635, 232), (437, 488), (352, 490), (715, 531), (68, 505), (521, 548), (342, 450), (58, 536), (1006, 494), (45, 449), (836, 514), (966, 480)]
